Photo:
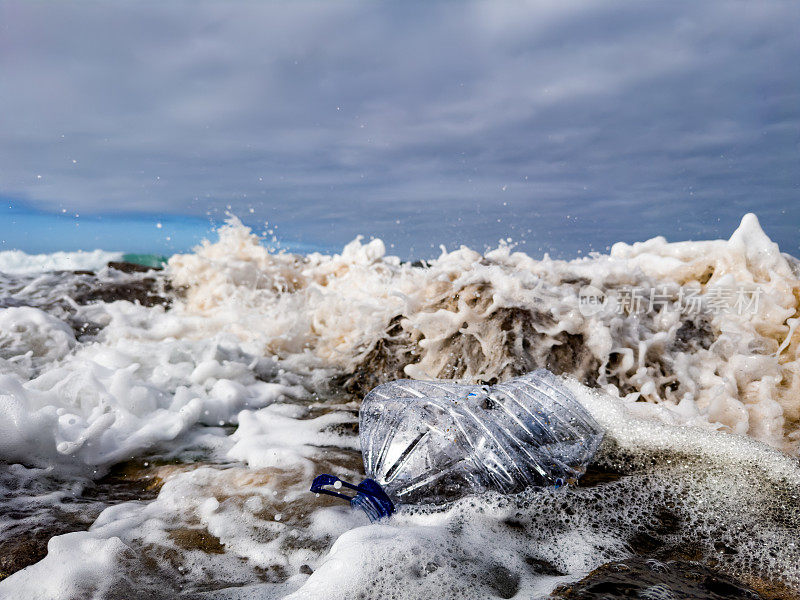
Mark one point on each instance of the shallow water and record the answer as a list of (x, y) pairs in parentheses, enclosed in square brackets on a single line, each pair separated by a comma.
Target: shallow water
[(163, 427)]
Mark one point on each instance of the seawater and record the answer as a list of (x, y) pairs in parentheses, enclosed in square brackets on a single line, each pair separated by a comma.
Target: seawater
[(164, 447)]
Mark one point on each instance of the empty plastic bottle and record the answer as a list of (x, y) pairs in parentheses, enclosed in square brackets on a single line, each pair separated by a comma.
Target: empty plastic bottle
[(435, 441)]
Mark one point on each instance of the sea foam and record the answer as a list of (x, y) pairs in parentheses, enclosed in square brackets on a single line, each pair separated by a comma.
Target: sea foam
[(370, 317), (247, 383), (17, 262)]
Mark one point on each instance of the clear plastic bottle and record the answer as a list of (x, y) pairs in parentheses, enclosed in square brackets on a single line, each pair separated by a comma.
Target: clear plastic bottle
[(435, 441)]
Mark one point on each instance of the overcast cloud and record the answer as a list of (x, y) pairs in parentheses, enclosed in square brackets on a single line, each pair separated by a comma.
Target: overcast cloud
[(585, 123)]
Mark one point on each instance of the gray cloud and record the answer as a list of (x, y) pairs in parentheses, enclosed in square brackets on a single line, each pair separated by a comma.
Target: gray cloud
[(586, 124)]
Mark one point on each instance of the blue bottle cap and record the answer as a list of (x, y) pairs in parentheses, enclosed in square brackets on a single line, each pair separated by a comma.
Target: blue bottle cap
[(370, 497)]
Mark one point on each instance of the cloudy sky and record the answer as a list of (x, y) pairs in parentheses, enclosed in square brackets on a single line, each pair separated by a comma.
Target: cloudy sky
[(564, 126)]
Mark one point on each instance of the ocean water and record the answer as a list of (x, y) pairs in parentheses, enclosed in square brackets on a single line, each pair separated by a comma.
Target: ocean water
[(159, 430)]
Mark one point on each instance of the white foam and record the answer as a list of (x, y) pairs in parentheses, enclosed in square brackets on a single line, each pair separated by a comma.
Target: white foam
[(29, 338), (18, 262), (278, 436), (107, 401), (469, 316), (254, 340)]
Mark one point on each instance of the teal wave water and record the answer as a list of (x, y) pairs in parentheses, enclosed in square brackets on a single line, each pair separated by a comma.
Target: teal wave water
[(156, 261)]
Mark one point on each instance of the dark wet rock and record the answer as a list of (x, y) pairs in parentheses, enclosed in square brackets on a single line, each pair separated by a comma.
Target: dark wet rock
[(142, 292), (133, 480), (571, 356), (129, 267), (344, 429), (656, 580), (503, 581), (420, 264), (542, 567), (384, 361), (88, 288), (694, 333), (706, 276), (507, 343), (19, 551), (598, 475), (60, 293), (25, 542), (146, 291), (495, 344), (27, 534), (197, 539), (84, 329)]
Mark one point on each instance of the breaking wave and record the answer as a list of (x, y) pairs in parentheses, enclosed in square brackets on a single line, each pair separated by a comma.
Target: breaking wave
[(699, 332)]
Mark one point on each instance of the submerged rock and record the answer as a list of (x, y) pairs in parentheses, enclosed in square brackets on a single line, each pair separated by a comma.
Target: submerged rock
[(147, 291), (34, 527)]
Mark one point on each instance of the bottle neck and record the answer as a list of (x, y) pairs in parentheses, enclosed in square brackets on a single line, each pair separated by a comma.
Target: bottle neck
[(369, 496)]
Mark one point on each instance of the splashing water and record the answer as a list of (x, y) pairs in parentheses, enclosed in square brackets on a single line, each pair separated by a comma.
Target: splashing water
[(170, 443)]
